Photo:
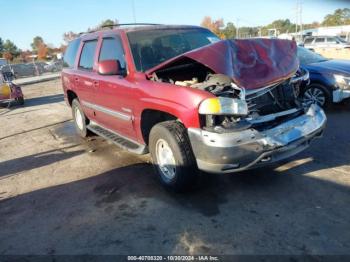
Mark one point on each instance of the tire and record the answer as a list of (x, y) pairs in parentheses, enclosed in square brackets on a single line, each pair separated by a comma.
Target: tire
[(180, 162), (80, 120), (20, 101), (317, 94)]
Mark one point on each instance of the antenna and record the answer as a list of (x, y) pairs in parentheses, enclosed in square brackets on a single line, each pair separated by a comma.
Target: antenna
[(133, 10)]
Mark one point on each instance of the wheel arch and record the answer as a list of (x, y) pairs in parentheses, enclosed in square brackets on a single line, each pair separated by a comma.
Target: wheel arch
[(150, 117)]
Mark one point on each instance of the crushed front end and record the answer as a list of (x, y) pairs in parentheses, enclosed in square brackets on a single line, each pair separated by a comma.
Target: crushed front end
[(256, 128), (254, 115)]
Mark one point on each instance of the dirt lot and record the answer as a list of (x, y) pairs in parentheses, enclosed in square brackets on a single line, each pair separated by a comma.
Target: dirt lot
[(60, 194)]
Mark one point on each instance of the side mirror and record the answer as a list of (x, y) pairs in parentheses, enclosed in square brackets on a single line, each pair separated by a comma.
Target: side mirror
[(110, 67)]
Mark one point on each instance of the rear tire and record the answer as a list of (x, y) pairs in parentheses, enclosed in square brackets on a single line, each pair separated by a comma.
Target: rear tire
[(172, 155), (80, 120)]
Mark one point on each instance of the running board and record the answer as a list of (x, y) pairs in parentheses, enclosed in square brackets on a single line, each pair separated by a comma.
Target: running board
[(119, 140)]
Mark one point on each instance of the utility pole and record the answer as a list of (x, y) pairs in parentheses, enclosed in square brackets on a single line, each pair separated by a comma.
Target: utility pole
[(299, 19), (237, 28)]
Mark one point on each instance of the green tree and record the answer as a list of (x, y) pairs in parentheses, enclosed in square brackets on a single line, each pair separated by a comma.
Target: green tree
[(229, 31), (339, 17), (1, 46), (10, 47), (37, 42), (108, 23)]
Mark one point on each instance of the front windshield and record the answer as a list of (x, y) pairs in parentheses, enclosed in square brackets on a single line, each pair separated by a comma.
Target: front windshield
[(152, 47), (308, 57)]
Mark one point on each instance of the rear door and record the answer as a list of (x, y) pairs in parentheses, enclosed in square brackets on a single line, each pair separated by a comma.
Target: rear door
[(114, 94), (320, 42), (85, 77)]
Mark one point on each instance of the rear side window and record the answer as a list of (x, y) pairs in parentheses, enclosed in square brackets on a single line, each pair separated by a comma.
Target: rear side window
[(331, 40), (71, 53), (320, 40), (87, 55), (308, 40), (112, 49)]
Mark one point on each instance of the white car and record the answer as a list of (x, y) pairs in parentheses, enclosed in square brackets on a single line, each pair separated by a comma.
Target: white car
[(314, 42)]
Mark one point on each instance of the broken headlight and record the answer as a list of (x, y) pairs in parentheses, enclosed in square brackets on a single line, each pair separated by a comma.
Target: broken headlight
[(223, 106), (343, 82)]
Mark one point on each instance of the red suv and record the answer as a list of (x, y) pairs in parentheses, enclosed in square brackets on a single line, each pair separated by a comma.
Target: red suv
[(190, 99)]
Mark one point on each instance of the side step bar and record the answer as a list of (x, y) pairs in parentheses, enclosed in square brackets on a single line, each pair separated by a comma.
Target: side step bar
[(118, 139)]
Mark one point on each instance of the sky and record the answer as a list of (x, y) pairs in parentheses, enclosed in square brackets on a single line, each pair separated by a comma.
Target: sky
[(22, 20)]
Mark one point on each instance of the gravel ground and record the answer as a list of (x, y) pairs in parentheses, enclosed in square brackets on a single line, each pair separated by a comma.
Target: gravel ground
[(60, 194)]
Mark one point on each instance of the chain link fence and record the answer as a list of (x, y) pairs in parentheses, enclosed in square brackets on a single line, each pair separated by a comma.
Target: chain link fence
[(32, 69)]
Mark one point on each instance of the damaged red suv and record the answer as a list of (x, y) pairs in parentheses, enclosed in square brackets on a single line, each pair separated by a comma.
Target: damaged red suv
[(190, 99)]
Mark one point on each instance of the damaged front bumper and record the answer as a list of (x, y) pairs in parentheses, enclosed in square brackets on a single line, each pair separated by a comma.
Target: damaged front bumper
[(242, 150), (340, 94)]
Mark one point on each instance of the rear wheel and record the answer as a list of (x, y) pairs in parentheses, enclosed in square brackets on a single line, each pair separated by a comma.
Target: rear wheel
[(172, 155), (79, 118), (316, 94)]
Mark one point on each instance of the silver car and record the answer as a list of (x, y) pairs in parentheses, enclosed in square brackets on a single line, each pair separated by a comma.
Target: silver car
[(314, 42)]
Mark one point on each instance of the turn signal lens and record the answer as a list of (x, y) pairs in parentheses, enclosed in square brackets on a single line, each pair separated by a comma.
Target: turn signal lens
[(223, 106)]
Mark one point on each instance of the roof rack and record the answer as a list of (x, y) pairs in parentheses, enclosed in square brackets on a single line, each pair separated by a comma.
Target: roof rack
[(116, 25)]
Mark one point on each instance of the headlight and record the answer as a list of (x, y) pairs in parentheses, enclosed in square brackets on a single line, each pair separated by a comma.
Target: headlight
[(342, 81), (223, 106)]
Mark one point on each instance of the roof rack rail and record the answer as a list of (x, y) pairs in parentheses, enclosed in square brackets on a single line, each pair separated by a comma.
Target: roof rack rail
[(116, 25)]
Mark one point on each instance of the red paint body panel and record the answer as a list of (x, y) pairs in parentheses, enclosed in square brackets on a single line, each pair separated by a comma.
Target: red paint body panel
[(251, 63)]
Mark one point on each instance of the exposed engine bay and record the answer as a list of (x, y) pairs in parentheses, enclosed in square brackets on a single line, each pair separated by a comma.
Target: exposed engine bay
[(256, 82), (267, 106)]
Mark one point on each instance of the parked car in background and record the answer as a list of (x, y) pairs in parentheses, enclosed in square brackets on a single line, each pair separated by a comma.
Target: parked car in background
[(190, 99), (3, 62), (329, 78), (53, 66), (314, 42)]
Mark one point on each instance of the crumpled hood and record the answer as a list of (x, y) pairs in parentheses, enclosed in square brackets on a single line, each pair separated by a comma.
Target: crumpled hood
[(251, 63)]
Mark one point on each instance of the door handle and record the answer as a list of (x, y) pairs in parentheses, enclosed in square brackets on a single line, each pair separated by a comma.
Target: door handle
[(96, 83), (76, 79)]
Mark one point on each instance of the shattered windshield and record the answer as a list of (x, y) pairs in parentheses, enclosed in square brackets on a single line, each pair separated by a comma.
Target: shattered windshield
[(308, 57), (152, 47)]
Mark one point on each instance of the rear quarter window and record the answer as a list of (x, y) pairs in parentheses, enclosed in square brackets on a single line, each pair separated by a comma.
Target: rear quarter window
[(71, 53)]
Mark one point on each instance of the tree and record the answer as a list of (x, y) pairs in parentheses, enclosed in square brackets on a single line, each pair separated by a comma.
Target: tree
[(214, 26), (339, 17), (1, 46), (229, 31), (109, 23), (37, 41), (8, 56), (69, 36), (42, 51), (10, 47)]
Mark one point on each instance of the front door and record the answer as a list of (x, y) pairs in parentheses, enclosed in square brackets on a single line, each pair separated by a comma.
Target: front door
[(114, 94)]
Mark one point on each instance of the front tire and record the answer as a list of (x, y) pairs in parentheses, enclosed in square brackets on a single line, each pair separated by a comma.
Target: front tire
[(79, 118), (316, 94), (172, 155)]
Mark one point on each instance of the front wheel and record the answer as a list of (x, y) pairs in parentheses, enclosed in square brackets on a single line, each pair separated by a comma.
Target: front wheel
[(172, 155), (316, 94)]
